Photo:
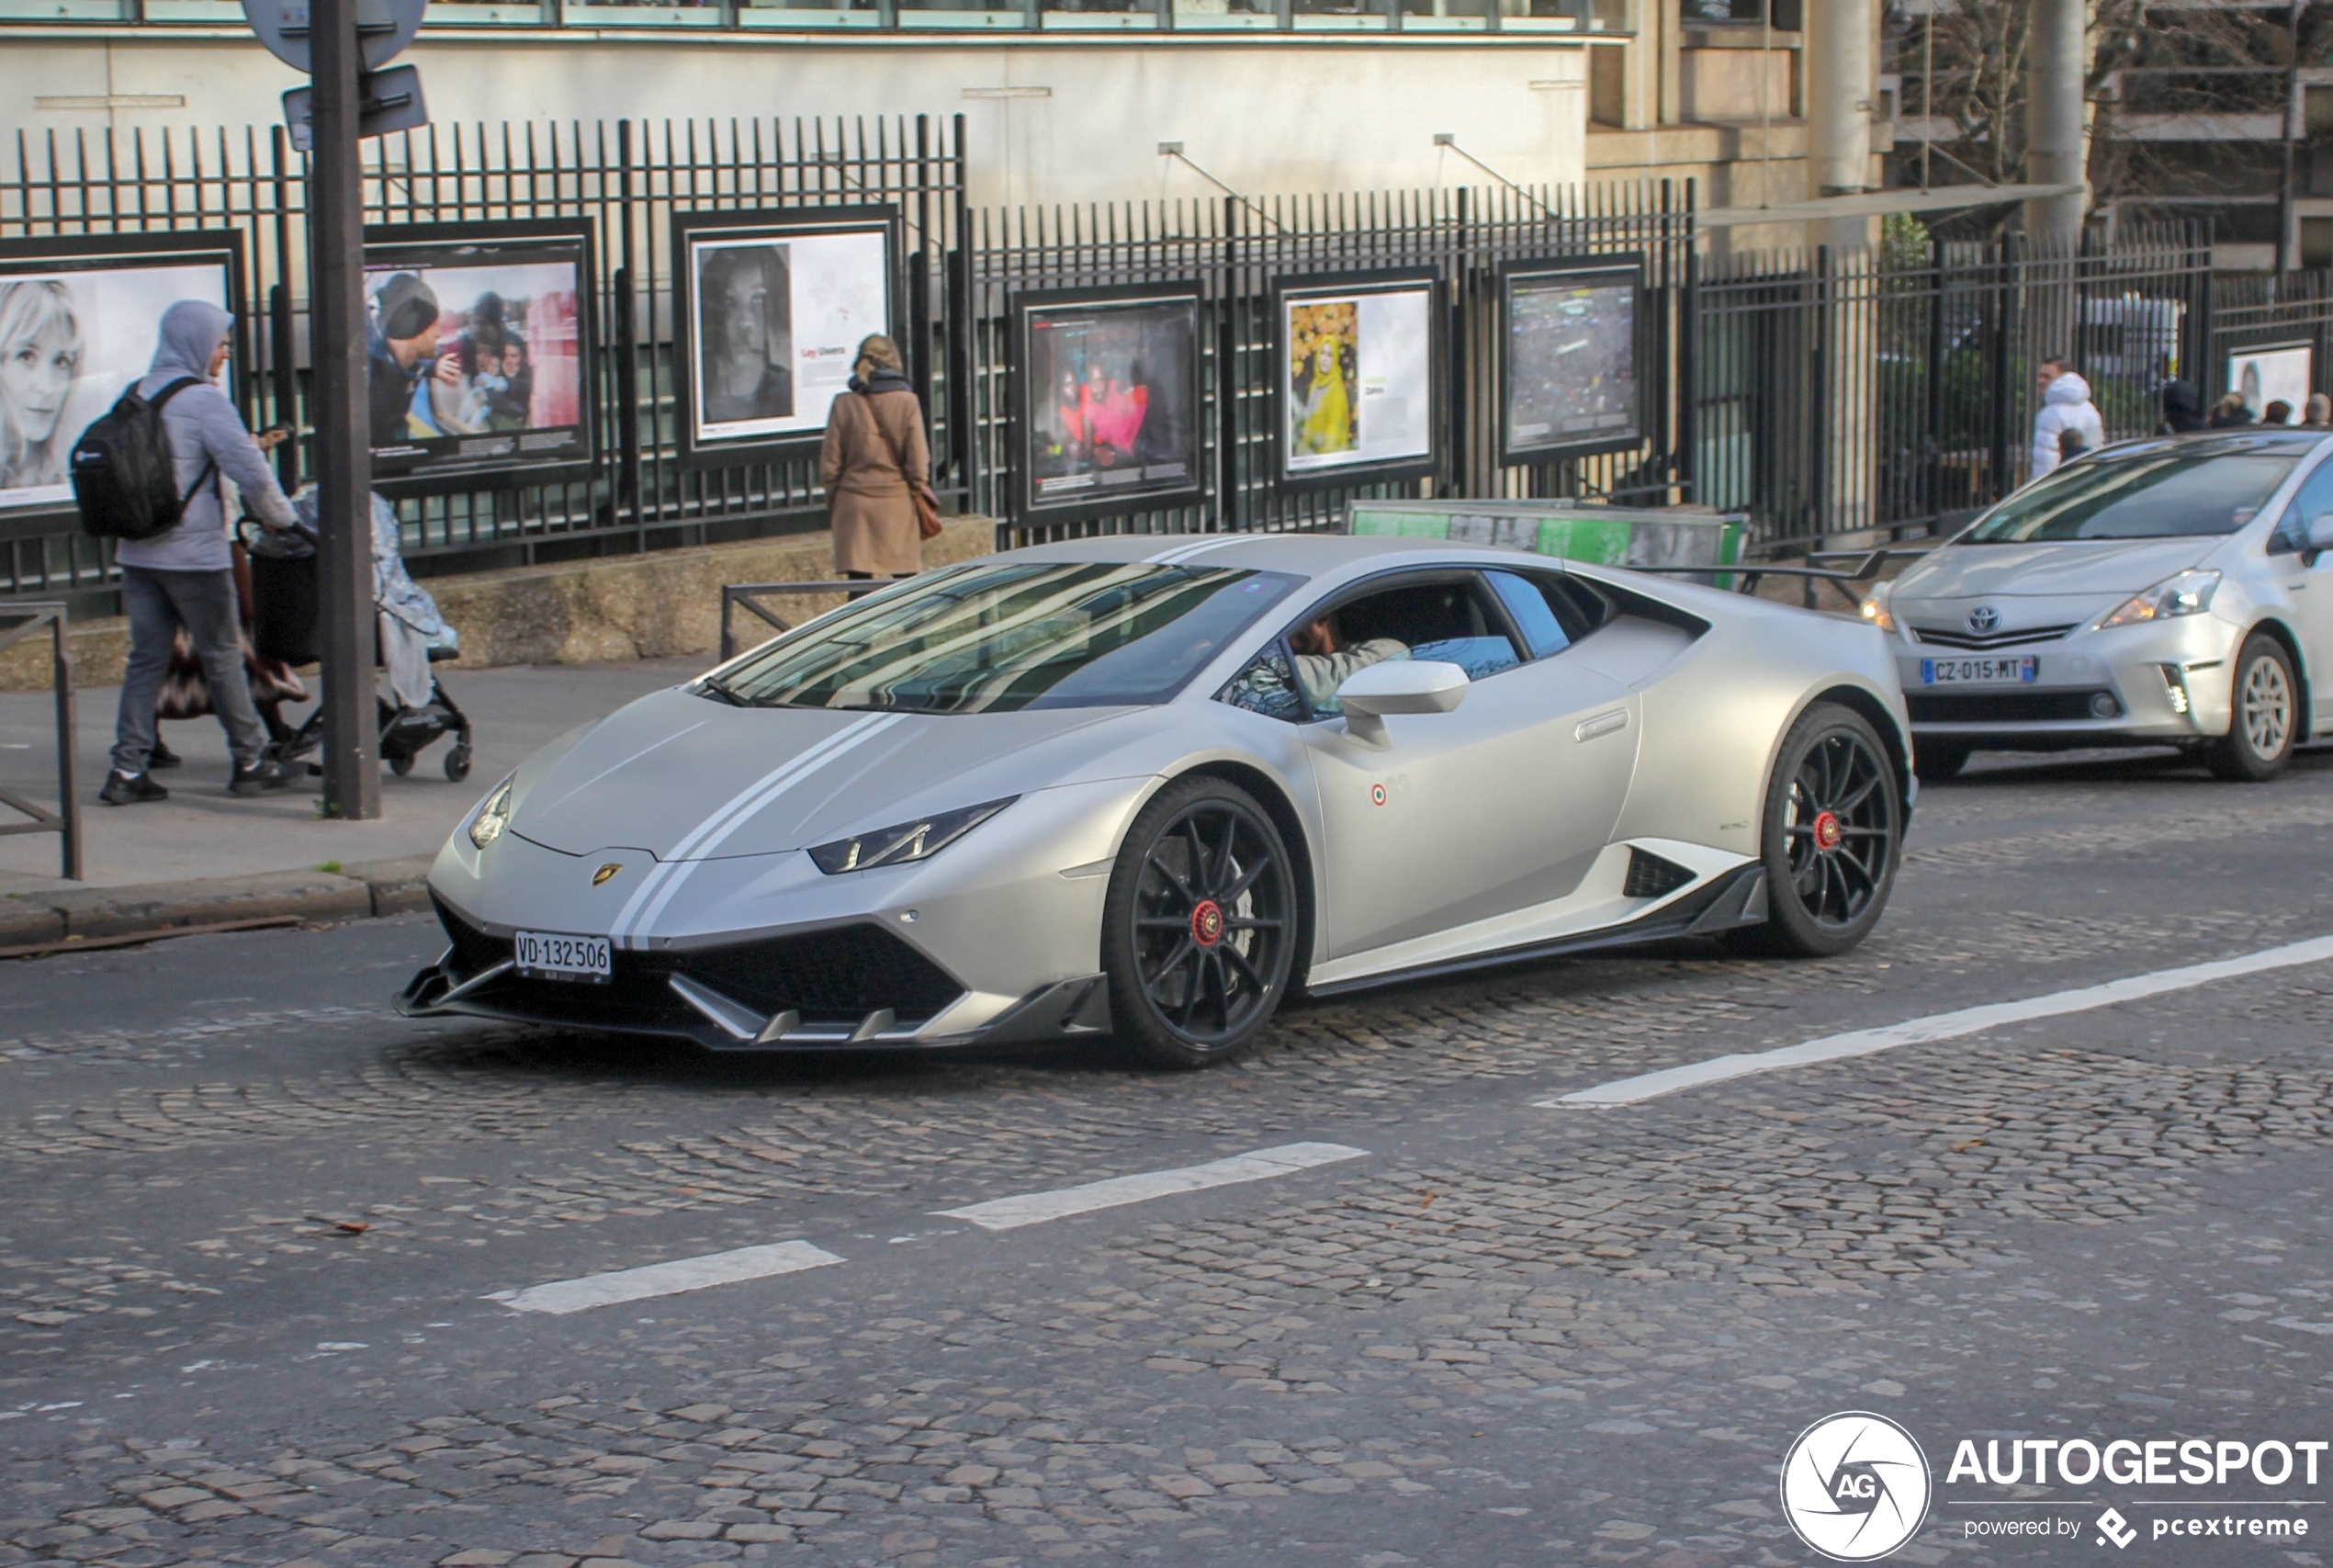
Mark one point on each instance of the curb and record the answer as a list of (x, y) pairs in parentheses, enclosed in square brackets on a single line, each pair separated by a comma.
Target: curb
[(354, 892)]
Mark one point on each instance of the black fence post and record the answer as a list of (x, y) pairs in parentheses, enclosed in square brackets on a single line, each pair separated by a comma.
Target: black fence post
[(627, 354), (1684, 461), (920, 273), (1932, 394), (284, 360), (2002, 479), (1230, 290), (1818, 409)]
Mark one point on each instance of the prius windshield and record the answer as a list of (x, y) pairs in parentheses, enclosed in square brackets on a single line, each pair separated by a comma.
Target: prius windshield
[(991, 639), (2161, 490)]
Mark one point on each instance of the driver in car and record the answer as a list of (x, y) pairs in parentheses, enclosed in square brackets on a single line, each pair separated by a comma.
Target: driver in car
[(1323, 662)]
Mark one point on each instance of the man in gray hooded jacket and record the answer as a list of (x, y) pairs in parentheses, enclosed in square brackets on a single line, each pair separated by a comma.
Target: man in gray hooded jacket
[(185, 575)]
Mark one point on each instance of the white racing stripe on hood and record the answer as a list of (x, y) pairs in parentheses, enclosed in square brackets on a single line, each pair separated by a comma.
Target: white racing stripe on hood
[(1182, 553), (657, 889)]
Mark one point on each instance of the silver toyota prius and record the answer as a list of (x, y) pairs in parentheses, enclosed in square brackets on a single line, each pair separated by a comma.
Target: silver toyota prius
[(2165, 591), (1148, 787)]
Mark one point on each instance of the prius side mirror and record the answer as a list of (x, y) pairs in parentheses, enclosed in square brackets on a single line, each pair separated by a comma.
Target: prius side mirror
[(1402, 685), (2320, 533)]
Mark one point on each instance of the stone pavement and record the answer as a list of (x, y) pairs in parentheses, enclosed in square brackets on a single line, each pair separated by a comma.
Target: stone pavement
[(257, 1227), (202, 832)]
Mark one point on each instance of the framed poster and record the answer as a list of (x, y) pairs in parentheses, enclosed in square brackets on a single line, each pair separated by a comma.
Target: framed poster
[(79, 321), (479, 352), (2285, 371), (770, 308), (1105, 399), (1571, 383), (1357, 394)]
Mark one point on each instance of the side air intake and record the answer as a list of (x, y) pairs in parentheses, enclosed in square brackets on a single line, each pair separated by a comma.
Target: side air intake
[(1650, 876)]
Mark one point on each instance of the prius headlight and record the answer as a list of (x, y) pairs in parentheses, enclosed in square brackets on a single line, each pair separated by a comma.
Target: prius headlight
[(2189, 593), (494, 815), (1875, 608), (918, 839)]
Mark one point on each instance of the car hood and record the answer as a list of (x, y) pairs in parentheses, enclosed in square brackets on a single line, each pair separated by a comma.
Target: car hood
[(2044, 570), (686, 777)]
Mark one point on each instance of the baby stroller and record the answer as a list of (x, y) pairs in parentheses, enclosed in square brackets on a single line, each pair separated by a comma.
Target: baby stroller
[(409, 637)]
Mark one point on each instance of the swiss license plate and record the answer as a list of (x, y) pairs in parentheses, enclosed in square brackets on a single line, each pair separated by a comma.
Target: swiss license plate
[(1979, 671), (547, 955)]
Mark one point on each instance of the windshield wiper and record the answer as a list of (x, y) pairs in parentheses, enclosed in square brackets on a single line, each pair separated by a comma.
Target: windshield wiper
[(716, 686)]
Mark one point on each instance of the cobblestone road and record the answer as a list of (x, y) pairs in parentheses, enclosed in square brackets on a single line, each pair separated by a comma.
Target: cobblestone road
[(252, 1223)]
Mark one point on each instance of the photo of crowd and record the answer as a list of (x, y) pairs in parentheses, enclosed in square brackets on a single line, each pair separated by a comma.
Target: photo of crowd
[(473, 360), (1324, 402), (1571, 361), (72, 337), (1112, 390)]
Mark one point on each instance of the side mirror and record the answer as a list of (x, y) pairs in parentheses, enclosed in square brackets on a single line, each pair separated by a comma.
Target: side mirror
[(2320, 532), (1401, 685)]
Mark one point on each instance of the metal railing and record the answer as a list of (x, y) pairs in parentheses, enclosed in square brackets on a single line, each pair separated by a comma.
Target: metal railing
[(19, 620), (748, 597)]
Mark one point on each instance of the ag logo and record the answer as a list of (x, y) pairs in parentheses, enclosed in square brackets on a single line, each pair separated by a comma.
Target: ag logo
[(605, 872), (1983, 618), (1856, 1486)]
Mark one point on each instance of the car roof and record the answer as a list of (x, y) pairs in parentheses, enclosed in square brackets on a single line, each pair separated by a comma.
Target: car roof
[(1301, 555), (2291, 442)]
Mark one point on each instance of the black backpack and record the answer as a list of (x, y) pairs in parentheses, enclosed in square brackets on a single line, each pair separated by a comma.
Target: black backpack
[(123, 480)]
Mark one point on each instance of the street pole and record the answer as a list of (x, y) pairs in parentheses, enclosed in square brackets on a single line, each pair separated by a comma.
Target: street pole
[(344, 439), (2054, 54)]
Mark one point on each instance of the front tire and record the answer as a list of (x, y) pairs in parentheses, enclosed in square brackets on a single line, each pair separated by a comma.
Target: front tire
[(2261, 728), (1199, 935), (1832, 838)]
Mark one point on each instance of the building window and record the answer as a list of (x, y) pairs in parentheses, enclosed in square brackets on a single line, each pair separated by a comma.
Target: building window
[(1201, 15), (2316, 243), (1340, 16), (1100, 16), (1445, 16), (644, 13), (805, 13), (967, 13)]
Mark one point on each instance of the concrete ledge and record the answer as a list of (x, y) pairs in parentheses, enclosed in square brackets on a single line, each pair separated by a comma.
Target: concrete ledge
[(604, 609), (397, 887)]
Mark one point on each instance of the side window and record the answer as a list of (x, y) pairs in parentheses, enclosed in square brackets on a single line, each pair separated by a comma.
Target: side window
[(1442, 618), (1267, 686), (2314, 497), (1553, 611)]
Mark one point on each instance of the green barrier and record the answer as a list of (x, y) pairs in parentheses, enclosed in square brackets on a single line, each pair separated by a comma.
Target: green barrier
[(1603, 536)]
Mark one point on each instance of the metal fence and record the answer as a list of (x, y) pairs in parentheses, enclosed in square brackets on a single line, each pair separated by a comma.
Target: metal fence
[(628, 178), (1886, 396), (1237, 248)]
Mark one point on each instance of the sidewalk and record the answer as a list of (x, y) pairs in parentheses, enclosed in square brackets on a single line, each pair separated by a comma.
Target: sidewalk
[(204, 856)]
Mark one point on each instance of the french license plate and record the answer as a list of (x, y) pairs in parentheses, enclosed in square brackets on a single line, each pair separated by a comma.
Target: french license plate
[(1979, 671), (547, 955)]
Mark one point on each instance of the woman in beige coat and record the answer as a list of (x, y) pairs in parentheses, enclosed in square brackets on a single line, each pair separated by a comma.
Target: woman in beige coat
[(875, 463)]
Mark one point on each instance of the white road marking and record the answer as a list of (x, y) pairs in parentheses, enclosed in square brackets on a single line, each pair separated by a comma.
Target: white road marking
[(667, 1278), (1036, 1208), (1941, 1026)]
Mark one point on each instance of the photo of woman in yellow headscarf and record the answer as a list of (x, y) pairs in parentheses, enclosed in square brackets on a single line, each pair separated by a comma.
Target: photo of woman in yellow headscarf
[(1323, 368)]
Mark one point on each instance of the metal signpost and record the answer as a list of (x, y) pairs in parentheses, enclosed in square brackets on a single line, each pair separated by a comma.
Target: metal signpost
[(344, 46)]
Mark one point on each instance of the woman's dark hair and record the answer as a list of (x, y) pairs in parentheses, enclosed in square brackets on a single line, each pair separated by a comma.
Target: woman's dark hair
[(723, 266), (2182, 409)]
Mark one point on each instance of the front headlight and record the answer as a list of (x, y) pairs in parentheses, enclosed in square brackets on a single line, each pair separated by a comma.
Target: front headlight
[(1875, 608), (2189, 593), (897, 845), (494, 815)]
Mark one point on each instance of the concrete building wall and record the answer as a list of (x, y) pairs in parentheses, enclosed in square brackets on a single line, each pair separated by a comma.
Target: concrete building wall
[(1047, 121)]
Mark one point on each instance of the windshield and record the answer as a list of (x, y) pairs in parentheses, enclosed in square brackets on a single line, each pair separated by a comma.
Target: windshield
[(993, 639), (2158, 492)]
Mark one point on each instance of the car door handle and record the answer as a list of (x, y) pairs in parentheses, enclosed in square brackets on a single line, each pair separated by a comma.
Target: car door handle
[(1602, 724)]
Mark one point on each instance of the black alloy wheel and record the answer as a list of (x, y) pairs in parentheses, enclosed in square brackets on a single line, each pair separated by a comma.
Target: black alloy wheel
[(1833, 834), (1200, 933)]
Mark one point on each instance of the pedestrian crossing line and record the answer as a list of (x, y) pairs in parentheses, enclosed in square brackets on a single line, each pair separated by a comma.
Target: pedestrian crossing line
[(682, 1274), (1938, 1026), (1259, 1165)]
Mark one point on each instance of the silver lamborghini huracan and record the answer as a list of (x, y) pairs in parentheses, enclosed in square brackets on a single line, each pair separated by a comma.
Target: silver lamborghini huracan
[(1147, 787)]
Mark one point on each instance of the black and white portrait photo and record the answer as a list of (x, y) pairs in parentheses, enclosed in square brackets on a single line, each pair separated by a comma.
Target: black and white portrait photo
[(745, 333)]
